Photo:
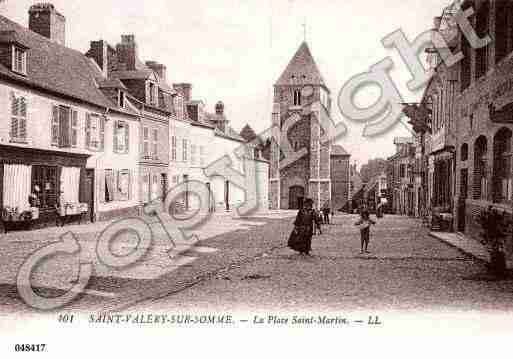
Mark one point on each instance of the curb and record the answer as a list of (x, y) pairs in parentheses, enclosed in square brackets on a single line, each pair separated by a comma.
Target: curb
[(466, 252)]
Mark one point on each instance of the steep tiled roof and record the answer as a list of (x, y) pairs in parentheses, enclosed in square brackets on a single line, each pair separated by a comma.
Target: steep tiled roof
[(111, 83), (132, 74), (56, 68), (302, 69), (337, 150)]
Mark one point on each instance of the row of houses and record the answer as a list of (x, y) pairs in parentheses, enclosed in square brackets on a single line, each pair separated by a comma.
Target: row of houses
[(102, 132), (460, 162)]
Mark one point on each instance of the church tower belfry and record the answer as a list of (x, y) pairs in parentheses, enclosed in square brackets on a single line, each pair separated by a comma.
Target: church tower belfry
[(300, 153)]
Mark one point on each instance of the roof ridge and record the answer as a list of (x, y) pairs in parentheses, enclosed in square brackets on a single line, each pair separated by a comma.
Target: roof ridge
[(304, 66)]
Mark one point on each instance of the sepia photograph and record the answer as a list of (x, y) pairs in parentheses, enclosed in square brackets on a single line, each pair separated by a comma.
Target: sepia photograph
[(255, 178)]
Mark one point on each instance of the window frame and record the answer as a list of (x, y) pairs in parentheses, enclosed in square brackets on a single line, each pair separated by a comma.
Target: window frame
[(56, 128), (14, 60), (146, 142), (124, 148), (99, 131), (184, 150), (155, 143), (17, 117)]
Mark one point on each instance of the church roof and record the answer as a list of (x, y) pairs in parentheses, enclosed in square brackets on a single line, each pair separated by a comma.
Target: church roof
[(302, 69), (337, 150)]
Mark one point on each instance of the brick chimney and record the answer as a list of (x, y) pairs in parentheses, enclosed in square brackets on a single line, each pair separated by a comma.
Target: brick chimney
[(48, 22), (160, 69), (184, 89), (220, 119), (98, 52), (127, 52)]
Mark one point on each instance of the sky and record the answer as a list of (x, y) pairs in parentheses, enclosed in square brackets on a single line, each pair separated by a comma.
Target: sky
[(235, 50)]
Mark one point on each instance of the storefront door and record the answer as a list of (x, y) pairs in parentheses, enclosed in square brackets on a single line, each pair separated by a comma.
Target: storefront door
[(89, 192)]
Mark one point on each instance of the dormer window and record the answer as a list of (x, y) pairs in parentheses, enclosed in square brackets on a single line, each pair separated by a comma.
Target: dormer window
[(152, 93), (19, 60)]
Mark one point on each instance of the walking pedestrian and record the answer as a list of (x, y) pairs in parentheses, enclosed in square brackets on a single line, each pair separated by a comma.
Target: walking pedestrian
[(300, 239), (364, 224), (326, 213)]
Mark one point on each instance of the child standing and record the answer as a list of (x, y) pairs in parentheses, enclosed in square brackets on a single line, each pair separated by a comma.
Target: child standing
[(364, 224)]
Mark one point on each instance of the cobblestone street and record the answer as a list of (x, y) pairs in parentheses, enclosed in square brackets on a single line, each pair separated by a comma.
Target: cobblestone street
[(249, 267), (405, 270)]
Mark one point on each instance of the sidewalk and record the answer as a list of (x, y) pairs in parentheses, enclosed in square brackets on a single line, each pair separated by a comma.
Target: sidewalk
[(164, 254), (92, 229), (466, 245)]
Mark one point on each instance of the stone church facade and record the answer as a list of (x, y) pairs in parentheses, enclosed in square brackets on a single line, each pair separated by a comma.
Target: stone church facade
[(300, 158)]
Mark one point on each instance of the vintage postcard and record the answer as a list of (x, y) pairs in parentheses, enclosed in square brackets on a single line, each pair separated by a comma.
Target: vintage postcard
[(244, 178)]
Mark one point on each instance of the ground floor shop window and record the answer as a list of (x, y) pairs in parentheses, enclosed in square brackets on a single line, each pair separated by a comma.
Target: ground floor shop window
[(116, 185), (46, 185)]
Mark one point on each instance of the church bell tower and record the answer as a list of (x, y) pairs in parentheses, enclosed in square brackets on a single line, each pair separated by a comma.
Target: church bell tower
[(300, 152)]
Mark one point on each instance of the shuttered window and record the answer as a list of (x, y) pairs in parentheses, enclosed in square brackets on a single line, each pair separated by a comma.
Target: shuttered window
[(146, 142), (19, 60), (121, 137), (64, 126), (173, 148), (193, 155), (184, 150), (155, 144), (18, 118), (74, 128), (95, 132)]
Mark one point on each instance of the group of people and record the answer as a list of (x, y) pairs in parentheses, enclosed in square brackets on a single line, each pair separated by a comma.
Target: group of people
[(308, 222), (322, 216)]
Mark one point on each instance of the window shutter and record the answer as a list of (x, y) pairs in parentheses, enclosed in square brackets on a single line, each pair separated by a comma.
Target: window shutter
[(155, 143), (114, 181), (14, 104), (14, 127), (22, 128), (101, 187), (14, 119), (74, 128), (102, 132), (55, 125), (146, 148), (131, 193), (115, 136), (22, 103), (127, 137), (88, 131)]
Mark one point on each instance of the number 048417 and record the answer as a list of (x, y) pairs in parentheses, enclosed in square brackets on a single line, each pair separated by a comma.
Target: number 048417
[(30, 347)]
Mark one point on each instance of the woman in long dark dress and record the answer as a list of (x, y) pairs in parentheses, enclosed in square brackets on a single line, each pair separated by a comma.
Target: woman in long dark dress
[(301, 238)]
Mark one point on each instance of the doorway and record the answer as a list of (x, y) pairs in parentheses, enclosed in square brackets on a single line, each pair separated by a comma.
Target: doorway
[(89, 192), (296, 197)]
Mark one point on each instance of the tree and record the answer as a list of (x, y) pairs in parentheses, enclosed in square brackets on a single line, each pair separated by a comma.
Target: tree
[(373, 168)]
